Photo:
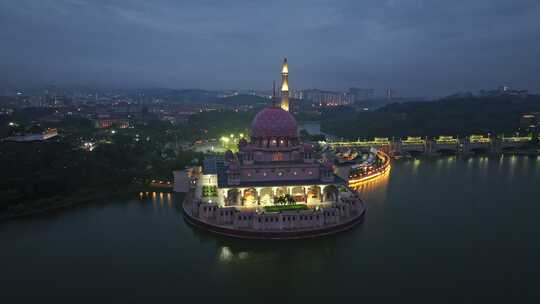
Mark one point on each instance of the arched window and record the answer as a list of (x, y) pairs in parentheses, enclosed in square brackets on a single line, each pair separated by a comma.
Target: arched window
[(277, 156)]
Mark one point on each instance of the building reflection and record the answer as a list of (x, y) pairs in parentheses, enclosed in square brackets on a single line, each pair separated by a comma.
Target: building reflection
[(158, 200), (311, 253), (415, 165), (374, 188)]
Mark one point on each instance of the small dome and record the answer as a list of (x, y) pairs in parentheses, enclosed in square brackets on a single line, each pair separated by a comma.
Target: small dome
[(274, 122)]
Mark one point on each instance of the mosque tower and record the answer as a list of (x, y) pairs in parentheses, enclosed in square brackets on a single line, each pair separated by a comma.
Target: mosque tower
[(285, 85)]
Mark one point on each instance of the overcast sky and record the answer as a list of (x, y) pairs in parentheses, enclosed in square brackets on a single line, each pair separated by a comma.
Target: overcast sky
[(418, 47)]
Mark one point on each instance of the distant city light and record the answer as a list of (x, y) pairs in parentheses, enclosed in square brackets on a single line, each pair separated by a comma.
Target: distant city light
[(113, 131), (89, 146)]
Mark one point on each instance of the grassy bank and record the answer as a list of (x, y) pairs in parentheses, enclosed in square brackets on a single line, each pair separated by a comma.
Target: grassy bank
[(77, 198)]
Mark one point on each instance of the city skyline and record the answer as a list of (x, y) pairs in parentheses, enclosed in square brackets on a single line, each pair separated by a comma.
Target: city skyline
[(418, 48)]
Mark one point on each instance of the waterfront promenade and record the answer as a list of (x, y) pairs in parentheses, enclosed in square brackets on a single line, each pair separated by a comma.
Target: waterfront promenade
[(472, 144)]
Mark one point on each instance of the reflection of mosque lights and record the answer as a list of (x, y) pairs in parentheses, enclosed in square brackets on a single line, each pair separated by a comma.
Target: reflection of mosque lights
[(169, 200), (154, 201), (226, 255)]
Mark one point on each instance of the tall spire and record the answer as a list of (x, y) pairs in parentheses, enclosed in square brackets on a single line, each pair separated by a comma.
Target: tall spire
[(285, 85)]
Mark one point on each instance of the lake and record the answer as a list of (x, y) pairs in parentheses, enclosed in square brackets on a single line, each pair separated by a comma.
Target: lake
[(443, 228)]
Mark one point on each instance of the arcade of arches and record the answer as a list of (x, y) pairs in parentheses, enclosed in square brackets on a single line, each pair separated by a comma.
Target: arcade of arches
[(254, 196)]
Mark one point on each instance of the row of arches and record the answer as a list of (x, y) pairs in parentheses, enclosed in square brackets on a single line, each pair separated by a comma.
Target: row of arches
[(269, 195)]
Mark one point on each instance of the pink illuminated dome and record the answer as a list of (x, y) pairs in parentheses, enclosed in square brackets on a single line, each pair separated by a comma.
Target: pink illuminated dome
[(274, 122)]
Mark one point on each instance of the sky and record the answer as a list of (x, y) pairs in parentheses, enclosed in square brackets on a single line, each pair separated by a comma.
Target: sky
[(416, 47)]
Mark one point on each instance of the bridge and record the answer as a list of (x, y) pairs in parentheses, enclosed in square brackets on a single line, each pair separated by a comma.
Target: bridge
[(413, 145), (422, 145), (444, 144), (514, 142), (478, 143), (382, 143)]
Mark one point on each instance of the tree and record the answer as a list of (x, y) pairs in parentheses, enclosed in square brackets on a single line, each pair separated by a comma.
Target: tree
[(285, 199)]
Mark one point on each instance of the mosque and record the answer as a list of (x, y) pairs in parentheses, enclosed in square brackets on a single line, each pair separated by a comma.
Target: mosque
[(275, 186)]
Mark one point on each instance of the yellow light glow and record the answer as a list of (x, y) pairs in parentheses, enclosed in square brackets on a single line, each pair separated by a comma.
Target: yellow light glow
[(285, 69), (284, 86)]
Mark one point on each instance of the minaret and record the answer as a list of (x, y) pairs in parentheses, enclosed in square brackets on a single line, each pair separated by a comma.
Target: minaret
[(285, 85)]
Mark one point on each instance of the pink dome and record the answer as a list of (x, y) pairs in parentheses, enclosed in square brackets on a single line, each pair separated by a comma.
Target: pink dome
[(274, 122)]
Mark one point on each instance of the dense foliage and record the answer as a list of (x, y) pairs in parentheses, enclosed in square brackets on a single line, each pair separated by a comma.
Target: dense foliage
[(215, 124), (35, 170), (445, 117)]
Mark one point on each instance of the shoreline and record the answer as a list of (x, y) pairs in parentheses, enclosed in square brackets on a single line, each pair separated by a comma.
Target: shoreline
[(80, 198), (467, 155)]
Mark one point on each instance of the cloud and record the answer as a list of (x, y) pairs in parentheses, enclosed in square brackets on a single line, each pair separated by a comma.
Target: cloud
[(419, 47)]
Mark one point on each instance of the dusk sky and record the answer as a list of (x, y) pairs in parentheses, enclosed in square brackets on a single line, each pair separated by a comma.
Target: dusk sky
[(418, 47)]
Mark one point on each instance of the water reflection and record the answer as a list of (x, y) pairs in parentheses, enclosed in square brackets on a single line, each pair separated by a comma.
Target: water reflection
[(415, 165), (375, 187), (158, 199), (309, 253), (226, 255), (407, 208), (512, 167)]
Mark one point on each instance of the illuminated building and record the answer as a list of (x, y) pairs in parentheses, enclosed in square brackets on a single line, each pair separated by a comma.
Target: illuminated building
[(274, 187), (321, 98), (105, 122), (529, 122), (272, 164)]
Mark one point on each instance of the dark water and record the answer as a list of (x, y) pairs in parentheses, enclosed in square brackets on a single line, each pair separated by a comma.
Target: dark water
[(438, 229)]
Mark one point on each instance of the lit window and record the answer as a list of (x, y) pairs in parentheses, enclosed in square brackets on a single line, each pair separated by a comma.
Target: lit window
[(278, 156)]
